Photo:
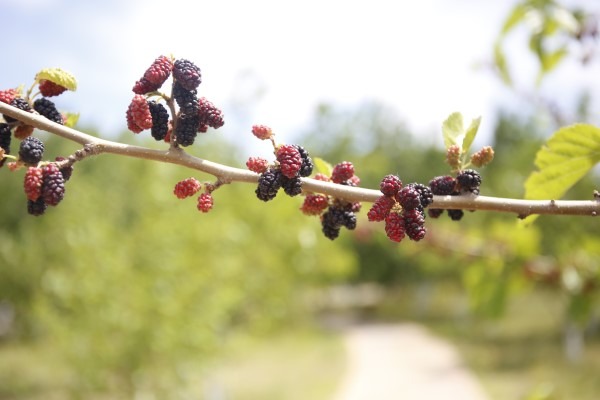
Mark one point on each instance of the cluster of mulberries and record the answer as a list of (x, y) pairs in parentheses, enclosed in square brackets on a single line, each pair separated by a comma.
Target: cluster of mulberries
[(189, 187), (402, 208), (44, 186), (31, 149), (466, 181), (194, 114), (293, 163), (335, 214)]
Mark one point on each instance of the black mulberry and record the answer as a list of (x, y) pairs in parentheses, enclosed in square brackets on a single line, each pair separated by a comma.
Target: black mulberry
[(31, 150), (307, 165), (469, 180), (269, 183), (160, 120), (19, 103), (291, 186), (47, 108), (187, 129)]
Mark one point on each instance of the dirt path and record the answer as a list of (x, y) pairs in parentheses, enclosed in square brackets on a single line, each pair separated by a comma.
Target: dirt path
[(404, 361)]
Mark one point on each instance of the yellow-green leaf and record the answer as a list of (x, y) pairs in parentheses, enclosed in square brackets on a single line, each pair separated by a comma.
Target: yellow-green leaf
[(71, 119), (453, 130), (323, 166), (567, 156), (58, 76), (470, 134)]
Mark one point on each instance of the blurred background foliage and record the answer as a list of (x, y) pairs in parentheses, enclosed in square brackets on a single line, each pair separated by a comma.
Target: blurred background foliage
[(125, 291)]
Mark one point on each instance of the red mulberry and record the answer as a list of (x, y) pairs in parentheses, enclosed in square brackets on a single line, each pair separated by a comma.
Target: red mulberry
[(380, 208), (7, 96), (257, 164), (205, 202), (186, 188), (262, 132), (394, 227), (33, 183), (390, 185), (289, 160), (159, 71), (342, 172), (139, 113), (314, 204), (144, 86), (50, 89)]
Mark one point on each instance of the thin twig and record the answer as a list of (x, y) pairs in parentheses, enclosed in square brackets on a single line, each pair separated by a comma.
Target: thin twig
[(227, 174)]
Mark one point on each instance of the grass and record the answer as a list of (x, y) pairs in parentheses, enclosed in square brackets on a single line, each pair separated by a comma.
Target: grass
[(288, 366), (292, 367)]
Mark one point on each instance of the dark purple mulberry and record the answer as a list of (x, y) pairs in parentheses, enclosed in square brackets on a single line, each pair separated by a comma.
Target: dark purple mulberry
[(187, 74), (67, 170), (47, 108), (5, 139), (53, 185), (269, 183), (408, 197), (456, 215), (435, 212), (209, 114), (425, 194), (442, 185), (31, 150), (414, 224)]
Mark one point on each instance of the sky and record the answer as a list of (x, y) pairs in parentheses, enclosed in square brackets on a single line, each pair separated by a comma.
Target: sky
[(273, 62)]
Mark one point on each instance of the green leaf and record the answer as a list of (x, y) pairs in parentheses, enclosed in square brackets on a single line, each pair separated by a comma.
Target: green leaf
[(567, 156), (516, 16), (71, 119), (323, 166), (453, 130), (501, 64), (470, 134), (551, 60), (58, 76)]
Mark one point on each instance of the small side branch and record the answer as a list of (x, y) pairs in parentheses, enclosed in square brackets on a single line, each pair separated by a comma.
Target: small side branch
[(227, 174)]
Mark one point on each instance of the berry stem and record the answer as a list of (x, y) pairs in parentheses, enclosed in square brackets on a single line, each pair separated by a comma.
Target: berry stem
[(226, 174)]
